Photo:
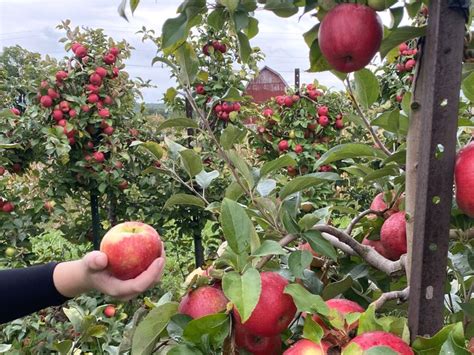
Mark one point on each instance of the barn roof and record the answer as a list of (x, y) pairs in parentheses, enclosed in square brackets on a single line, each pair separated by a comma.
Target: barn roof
[(262, 90)]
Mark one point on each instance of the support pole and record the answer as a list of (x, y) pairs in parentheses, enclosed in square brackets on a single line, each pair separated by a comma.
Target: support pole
[(95, 218), (430, 165), (297, 80)]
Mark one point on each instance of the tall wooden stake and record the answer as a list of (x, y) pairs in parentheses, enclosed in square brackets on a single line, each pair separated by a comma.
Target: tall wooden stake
[(430, 165), (95, 218), (297, 80)]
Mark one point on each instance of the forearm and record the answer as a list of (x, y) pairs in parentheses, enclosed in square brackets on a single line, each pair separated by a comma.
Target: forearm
[(24, 291)]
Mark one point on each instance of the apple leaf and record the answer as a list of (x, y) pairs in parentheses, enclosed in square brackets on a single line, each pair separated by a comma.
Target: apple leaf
[(399, 35), (303, 182), (319, 244), (298, 261), (188, 63), (236, 225), (243, 291), (174, 31), (336, 288), (216, 18), (63, 347), (177, 123), (350, 150), (234, 191), (367, 88), (204, 179), (468, 87), (312, 330), (214, 327), (184, 199), (269, 247), (252, 28), (368, 321), (305, 301), (266, 186), (244, 47), (231, 5), (241, 166), (281, 162), (317, 61), (149, 329), (184, 349), (232, 135), (434, 343), (191, 162), (281, 8), (311, 35), (154, 149)]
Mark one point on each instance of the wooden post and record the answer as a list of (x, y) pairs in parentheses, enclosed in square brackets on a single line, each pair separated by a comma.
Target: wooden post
[(430, 165), (198, 248), (297, 80), (95, 218)]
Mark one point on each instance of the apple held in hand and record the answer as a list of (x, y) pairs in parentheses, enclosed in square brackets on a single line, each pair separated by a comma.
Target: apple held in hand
[(349, 36), (131, 247)]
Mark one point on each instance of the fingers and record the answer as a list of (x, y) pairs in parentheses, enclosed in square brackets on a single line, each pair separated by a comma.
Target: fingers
[(96, 260)]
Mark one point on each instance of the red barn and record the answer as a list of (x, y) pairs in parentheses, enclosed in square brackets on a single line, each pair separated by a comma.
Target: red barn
[(266, 85)]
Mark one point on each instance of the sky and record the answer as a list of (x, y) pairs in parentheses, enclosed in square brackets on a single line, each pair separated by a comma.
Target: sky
[(32, 25)]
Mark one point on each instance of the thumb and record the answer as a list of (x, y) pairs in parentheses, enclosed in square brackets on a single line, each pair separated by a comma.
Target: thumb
[(96, 260)]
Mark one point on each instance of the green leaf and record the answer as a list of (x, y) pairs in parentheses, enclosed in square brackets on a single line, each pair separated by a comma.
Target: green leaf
[(252, 29), (173, 147), (399, 35), (433, 344), (241, 20), (406, 103), (214, 327), (303, 182), (241, 166), (312, 330), (367, 88), (216, 18), (368, 321), (184, 199), (184, 349), (243, 291), (269, 247), (154, 148), (274, 165), (121, 9), (191, 162), (188, 64), (455, 343), (134, 5), (320, 245), (204, 179), (231, 5), (232, 94), (298, 261), (388, 170), (63, 347), (234, 191), (177, 123), (236, 225), (311, 35), (174, 31), (317, 61), (350, 150), (397, 16), (232, 135), (148, 331), (266, 186), (336, 288), (281, 8), (244, 47), (468, 87), (305, 301)]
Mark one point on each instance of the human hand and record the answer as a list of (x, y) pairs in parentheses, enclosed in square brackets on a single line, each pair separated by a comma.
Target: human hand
[(90, 273)]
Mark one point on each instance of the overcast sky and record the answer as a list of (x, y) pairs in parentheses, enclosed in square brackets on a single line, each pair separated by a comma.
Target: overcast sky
[(31, 24)]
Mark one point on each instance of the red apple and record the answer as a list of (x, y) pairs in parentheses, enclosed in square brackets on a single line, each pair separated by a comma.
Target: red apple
[(393, 236), (275, 309), (288, 101), (61, 75), (298, 149), (344, 307), (323, 111), (109, 311), (104, 113), (15, 111), (203, 301), (379, 338), (115, 51), (102, 72), (268, 112), (256, 345), (46, 101), (130, 247), (99, 157), (95, 79), (80, 51), (410, 64), (376, 244), (109, 58), (464, 179), (283, 146), (200, 90), (307, 347), (349, 36), (2, 170), (8, 207), (123, 185), (64, 106), (323, 121)]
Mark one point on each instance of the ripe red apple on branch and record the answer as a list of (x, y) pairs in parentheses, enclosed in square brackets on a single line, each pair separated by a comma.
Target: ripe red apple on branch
[(349, 36), (464, 178), (203, 301), (131, 247), (256, 345), (374, 339), (305, 346)]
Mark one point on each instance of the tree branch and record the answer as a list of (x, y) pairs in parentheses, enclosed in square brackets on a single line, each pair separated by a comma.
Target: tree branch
[(365, 252), (366, 121), (359, 217), (401, 296)]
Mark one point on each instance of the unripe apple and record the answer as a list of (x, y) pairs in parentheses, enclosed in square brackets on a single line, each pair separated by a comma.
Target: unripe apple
[(131, 247), (46, 101), (10, 252), (292, 134), (109, 311), (374, 339), (349, 36), (203, 301), (464, 179)]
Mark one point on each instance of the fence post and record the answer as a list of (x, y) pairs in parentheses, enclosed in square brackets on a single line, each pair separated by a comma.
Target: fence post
[(297, 80), (430, 165), (94, 194)]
